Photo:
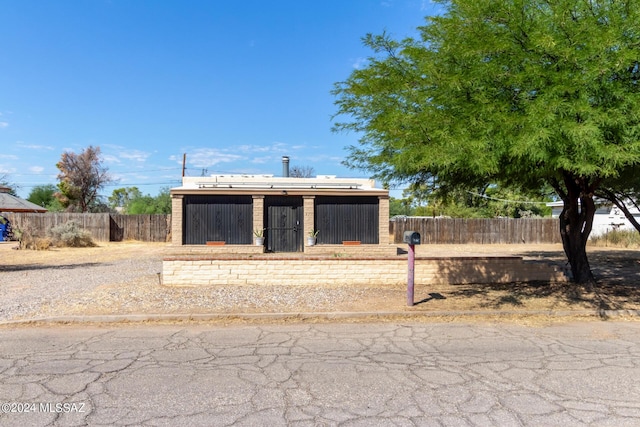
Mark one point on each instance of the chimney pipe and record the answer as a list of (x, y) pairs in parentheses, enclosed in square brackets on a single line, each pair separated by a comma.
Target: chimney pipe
[(285, 166)]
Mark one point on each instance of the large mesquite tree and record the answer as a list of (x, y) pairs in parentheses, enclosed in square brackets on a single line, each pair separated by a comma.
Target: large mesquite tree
[(81, 177), (524, 93)]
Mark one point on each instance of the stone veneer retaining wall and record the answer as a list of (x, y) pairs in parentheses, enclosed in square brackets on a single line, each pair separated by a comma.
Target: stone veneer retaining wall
[(243, 270)]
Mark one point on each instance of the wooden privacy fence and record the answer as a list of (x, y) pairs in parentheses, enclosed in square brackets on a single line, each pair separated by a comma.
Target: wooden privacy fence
[(41, 223), (104, 227), (146, 228), (157, 228), (478, 230)]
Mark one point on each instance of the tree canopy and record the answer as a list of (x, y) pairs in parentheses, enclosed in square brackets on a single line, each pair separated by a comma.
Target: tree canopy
[(122, 197), (81, 177), (43, 195), (160, 204), (525, 93), (133, 202), (485, 202)]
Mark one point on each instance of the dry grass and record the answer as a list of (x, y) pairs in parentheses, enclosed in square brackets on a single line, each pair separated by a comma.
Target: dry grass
[(618, 239), (102, 252)]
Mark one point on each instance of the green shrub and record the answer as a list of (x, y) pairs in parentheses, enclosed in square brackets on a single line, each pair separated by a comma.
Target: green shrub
[(70, 234), (618, 238)]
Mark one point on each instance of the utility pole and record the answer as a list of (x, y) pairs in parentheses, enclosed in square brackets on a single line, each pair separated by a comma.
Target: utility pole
[(184, 163)]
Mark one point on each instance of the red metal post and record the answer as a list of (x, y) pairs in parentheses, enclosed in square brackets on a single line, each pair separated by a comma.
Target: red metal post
[(412, 261)]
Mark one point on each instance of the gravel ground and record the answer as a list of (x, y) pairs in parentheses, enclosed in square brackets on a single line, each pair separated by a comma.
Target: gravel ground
[(27, 289), (123, 278)]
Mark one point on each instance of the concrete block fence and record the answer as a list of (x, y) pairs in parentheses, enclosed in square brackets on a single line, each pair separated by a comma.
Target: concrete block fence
[(206, 270)]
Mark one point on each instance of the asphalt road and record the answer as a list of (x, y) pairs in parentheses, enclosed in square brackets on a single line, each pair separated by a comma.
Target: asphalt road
[(447, 374)]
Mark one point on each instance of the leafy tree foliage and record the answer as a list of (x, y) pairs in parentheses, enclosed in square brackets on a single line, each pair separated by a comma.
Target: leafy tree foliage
[(484, 202), (81, 177), (135, 203), (122, 197), (43, 195), (488, 202), (527, 93), (401, 207)]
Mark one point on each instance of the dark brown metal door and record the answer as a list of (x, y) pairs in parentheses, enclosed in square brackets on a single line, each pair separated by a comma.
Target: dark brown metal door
[(284, 224), (217, 218), (347, 218)]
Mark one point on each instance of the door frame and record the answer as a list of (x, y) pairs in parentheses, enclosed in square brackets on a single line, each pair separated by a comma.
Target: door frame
[(294, 226)]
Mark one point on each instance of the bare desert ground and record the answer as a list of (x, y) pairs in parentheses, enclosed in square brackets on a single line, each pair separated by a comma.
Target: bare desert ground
[(124, 278)]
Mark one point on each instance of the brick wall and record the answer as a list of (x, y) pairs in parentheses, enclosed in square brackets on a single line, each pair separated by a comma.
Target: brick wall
[(258, 213), (207, 270), (176, 219), (309, 216), (383, 222)]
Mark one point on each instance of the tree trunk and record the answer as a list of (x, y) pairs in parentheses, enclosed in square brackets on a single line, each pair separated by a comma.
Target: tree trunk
[(576, 222)]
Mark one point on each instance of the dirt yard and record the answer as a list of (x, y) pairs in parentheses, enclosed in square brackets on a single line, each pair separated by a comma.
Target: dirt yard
[(124, 278)]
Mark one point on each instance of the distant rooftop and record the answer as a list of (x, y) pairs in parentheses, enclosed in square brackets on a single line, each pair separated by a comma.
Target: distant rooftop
[(11, 203)]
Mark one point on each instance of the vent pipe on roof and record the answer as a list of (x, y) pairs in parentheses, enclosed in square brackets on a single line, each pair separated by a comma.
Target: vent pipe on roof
[(285, 166)]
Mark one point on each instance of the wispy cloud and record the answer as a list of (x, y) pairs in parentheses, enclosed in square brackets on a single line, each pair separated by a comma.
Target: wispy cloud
[(8, 156), (131, 177), (359, 63), (116, 153), (254, 149), (109, 158), (238, 158), (271, 154), (36, 169), (137, 155), (279, 148), (4, 124), (432, 8), (322, 159), (6, 169), (22, 144), (205, 157)]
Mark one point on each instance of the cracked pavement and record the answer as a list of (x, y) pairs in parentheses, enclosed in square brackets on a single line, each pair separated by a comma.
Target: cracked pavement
[(348, 374)]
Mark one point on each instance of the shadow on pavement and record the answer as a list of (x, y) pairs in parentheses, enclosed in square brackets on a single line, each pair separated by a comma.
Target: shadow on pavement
[(28, 267)]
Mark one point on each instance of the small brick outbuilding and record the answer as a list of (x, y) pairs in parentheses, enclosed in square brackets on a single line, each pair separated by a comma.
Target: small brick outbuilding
[(232, 209)]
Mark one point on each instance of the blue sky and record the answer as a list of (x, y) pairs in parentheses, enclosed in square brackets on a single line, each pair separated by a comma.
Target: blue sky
[(233, 84)]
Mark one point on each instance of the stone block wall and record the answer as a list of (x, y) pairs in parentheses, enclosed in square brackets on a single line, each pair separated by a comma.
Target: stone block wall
[(259, 271), (258, 213), (309, 210), (176, 219), (383, 221)]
